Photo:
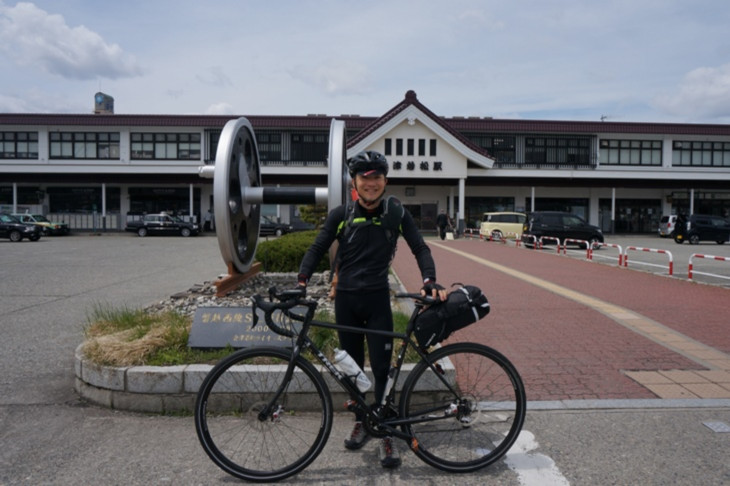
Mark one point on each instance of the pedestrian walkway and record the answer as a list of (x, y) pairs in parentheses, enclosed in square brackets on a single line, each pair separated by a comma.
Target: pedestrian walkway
[(580, 330)]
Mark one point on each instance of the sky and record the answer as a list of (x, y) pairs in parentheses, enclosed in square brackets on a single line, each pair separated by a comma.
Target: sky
[(665, 61)]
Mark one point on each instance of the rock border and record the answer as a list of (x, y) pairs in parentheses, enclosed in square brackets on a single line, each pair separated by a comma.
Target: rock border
[(173, 389)]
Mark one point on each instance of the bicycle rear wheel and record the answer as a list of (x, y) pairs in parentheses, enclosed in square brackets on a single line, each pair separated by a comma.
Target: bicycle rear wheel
[(283, 443), (474, 429)]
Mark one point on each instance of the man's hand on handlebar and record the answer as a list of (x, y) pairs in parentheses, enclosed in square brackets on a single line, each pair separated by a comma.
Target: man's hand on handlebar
[(434, 290)]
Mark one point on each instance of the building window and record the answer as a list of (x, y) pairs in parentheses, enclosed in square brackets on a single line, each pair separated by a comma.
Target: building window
[(84, 145), (165, 146), (501, 148), (25, 195), (410, 144), (557, 151), (18, 145), (421, 147), (82, 199), (212, 137), (701, 154), (388, 146), (432, 147), (309, 147), (631, 152), (269, 144), (398, 146)]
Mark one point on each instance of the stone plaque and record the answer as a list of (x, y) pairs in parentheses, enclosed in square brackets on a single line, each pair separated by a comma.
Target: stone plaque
[(217, 327)]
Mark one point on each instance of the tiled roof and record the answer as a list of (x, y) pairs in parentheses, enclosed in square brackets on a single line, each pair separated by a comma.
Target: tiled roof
[(412, 99), (493, 125), (362, 126), (321, 122)]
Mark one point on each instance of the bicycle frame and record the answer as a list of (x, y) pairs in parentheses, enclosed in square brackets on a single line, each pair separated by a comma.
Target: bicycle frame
[(376, 414)]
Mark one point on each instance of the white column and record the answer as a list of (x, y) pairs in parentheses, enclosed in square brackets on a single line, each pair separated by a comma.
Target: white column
[(532, 199), (462, 196), (191, 198), (613, 210), (691, 201), (15, 197)]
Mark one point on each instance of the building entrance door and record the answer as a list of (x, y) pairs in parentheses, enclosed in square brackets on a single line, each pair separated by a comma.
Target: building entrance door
[(423, 214)]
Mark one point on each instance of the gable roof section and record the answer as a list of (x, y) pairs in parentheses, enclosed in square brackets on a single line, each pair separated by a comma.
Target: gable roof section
[(411, 107)]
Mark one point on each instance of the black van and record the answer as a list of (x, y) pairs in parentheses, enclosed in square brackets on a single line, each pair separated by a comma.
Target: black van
[(559, 225), (702, 227)]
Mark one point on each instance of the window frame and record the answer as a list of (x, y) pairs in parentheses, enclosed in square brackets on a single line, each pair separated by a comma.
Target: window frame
[(18, 145), (165, 146)]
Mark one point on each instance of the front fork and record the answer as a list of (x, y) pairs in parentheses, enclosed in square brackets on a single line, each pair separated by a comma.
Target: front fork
[(274, 410)]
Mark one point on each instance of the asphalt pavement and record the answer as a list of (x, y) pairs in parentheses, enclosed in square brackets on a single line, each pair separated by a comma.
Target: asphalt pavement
[(609, 430)]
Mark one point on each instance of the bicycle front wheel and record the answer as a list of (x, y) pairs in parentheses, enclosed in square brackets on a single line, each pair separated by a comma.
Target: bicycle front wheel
[(267, 448), (473, 428)]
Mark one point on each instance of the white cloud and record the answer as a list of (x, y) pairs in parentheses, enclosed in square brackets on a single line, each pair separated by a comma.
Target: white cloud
[(12, 104), (335, 77), (524, 59), (215, 76), (703, 94), (32, 36), (220, 109)]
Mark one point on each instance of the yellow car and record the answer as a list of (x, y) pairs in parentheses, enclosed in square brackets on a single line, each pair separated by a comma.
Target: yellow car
[(502, 225)]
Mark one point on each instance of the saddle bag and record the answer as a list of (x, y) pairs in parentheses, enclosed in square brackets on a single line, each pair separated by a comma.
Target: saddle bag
[(465, 305)]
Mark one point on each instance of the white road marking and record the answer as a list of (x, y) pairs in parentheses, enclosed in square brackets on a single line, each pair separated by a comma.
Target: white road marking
[(532, 468)]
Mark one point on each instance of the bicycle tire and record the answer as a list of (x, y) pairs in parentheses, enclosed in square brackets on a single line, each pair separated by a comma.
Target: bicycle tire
[(479, 431), (227, 423)]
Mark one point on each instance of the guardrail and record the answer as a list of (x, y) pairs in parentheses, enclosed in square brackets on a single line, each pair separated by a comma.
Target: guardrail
[(549, 238), (652, 250), (707, 257), (589, 248), (620, 251)]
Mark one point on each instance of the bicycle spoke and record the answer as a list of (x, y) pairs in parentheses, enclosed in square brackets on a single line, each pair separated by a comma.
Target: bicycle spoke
[(474, 428), (287, 440)]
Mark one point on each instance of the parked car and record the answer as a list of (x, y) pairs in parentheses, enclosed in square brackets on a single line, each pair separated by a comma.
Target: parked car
[(270, 227), (299, 225), (162, 224), (702, 227), (666, 225), (559, 225), (47, 227), (502, 224), (12, 228)]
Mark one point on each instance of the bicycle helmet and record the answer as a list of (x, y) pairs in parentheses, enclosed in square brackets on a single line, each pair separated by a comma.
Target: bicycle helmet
[(366, 163)]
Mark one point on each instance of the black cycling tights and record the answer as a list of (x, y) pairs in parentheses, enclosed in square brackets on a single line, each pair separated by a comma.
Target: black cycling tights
[(369, 310)]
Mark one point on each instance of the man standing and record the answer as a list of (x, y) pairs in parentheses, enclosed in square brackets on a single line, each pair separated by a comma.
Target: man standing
[(442, 221), (367, 231)]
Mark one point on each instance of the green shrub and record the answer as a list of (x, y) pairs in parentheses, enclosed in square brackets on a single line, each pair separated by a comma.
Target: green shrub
[(284, 254)]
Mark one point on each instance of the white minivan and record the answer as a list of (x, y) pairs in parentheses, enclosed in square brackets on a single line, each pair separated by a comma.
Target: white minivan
[(502, 225), (666, 225)]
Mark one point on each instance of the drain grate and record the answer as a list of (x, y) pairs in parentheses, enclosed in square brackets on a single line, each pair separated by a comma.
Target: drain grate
[(717, 426)]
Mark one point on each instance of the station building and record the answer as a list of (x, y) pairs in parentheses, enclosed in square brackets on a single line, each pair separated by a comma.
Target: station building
[(97, 170)]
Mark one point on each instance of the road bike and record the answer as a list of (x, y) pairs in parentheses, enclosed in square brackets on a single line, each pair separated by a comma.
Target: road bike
[(265, 413)]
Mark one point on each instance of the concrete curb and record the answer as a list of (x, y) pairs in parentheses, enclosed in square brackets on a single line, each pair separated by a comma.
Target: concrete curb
[(167, 389)]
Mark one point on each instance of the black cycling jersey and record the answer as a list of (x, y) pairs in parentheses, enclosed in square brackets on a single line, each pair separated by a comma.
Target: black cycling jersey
[(365, 250)]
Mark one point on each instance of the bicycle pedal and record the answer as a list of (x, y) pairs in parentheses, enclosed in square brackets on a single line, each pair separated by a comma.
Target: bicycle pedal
[(350, 405), (414, 444)]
